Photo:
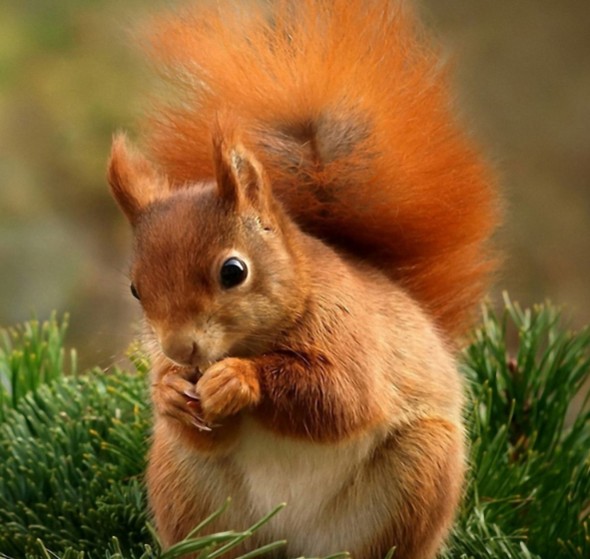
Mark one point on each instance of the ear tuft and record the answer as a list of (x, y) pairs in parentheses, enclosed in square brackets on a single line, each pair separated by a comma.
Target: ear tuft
[(227, 184), (241, 179), (134, 181)]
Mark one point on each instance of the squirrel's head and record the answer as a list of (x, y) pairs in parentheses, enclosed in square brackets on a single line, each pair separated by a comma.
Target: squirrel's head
[(214, 264)]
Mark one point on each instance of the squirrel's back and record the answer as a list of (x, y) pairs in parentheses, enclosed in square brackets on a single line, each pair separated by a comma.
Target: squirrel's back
[(346, 106)]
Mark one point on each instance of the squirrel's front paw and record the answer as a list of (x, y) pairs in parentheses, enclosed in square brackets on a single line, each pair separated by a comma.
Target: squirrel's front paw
[(227, 387), (174, 397)]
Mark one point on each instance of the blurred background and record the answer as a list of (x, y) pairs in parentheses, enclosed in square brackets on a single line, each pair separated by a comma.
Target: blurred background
[(69, 78)]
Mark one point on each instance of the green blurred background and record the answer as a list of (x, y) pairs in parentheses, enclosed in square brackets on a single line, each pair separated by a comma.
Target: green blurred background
[(69, 78)]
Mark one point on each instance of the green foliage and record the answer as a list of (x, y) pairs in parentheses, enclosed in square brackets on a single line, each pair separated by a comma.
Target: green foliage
[(529, 490), (72, 450), (31, 355)]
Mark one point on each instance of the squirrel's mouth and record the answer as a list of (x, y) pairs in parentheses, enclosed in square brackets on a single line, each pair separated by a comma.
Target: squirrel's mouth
[(190, 373), (193, 374)]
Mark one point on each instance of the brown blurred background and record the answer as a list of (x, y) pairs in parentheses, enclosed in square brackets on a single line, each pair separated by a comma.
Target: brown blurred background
[(68, 79)]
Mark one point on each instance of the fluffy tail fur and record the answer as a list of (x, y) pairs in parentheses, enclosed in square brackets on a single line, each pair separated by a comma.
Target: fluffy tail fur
[(346, 106)]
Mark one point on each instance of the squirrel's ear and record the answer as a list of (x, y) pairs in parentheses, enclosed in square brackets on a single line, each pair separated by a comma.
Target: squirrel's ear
[(241, 180), (134, 181)]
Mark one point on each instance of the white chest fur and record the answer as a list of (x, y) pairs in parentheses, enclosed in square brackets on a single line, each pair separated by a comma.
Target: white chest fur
[(315, 480)]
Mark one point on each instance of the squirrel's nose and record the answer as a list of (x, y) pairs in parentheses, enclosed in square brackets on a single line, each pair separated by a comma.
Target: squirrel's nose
[(181, 348)]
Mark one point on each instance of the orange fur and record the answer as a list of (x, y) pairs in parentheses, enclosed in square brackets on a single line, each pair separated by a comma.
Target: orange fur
[(313, 143), (347, 107)]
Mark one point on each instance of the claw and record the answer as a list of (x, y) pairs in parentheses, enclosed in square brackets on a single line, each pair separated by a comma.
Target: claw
[(190, 393), (200, 426)]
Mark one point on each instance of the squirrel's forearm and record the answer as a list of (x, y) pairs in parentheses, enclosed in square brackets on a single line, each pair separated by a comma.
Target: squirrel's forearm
[(304, 396)]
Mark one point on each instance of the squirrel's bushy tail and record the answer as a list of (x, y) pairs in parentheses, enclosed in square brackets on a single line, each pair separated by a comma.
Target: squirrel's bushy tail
[(346, 106)]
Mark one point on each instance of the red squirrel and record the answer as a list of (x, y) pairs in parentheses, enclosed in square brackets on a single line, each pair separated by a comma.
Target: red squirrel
[(311, 237)]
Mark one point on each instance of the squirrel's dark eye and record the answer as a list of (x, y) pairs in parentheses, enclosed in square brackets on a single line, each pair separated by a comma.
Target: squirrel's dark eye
[(134, 292), (233, 272)]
